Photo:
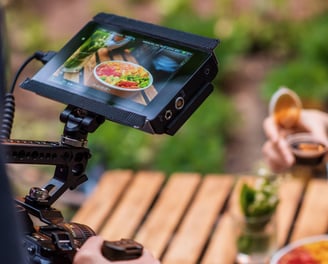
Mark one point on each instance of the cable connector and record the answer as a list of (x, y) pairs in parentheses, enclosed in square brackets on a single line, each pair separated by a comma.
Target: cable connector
[(44, 57)]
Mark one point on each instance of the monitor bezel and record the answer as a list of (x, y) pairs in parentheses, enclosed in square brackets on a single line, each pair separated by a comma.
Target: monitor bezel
[(124, 111)]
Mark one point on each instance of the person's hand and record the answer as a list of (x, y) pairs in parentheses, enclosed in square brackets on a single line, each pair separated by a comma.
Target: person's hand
[(90, 253), (276, 151)]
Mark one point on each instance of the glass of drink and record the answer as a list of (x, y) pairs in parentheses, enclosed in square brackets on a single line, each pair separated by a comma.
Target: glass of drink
[(255, 239)]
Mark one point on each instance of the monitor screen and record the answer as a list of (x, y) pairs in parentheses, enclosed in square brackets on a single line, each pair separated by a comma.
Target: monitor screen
[(120, 66)]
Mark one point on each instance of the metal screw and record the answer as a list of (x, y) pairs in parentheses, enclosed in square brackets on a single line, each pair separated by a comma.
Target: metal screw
[(38, 193)]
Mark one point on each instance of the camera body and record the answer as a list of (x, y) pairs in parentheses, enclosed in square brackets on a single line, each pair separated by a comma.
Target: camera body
[(58, 243), (55, 243), (52, 243)]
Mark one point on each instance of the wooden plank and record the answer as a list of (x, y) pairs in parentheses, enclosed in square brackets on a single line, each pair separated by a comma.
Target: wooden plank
[(192, 236), (102, 199), (167, 212), (290, 192), (313, 216), (222, 248), (133, 206)]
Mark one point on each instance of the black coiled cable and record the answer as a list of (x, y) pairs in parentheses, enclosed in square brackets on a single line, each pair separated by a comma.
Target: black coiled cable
[(8, 116), (9, 100)]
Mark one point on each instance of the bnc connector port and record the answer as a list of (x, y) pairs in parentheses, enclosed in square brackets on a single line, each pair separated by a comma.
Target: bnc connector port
[(179, 103), (168, 114)]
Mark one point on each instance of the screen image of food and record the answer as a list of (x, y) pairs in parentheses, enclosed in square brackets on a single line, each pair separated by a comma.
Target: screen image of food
[(121, 65)]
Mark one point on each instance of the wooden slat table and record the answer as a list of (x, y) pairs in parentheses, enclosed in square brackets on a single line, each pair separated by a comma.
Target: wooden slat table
[(185, 218)]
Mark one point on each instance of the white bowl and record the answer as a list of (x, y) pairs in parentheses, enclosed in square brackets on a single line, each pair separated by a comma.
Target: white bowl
[(306, 241), (123, 63)]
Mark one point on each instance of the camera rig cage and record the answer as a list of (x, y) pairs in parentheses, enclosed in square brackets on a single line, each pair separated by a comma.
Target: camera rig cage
[(179, 68), (58, 241)]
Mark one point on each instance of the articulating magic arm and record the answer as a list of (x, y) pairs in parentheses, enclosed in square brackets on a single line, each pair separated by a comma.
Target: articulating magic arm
[(70, 156)]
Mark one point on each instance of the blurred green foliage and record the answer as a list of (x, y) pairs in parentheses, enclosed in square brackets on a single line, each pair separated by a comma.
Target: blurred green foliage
[(198, 146), (304, 69)]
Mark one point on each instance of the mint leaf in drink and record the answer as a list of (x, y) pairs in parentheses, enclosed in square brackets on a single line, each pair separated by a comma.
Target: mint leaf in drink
[(261, 199)]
